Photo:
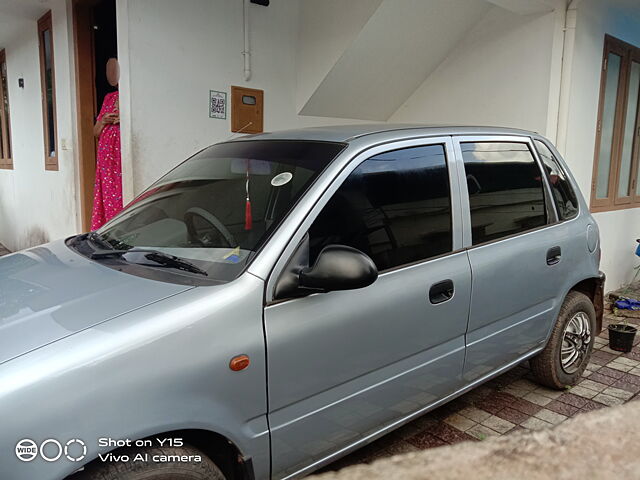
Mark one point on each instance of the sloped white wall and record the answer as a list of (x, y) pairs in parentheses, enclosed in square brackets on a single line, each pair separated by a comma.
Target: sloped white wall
[(401, 44), (498, 75), (38, 205)]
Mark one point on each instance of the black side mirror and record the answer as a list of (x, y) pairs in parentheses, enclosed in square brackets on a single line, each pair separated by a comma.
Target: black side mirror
[(339, 267)]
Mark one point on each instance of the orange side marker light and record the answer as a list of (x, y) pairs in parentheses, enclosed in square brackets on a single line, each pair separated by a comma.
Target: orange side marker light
[(239, 362)]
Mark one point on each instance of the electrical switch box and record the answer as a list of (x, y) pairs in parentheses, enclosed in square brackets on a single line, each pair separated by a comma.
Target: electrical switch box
[(247, 110)]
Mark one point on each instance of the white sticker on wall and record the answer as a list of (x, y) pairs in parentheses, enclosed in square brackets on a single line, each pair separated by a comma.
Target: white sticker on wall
[(217, 104), (281, 179)]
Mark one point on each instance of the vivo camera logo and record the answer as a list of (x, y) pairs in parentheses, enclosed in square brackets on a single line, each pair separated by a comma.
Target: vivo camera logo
[(27, 450)]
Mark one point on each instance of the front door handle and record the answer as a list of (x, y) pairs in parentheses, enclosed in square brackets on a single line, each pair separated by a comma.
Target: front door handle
[(553, 255), (441, 292)]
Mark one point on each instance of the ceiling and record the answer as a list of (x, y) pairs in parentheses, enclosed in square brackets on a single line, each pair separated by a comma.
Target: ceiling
[(18, 15)]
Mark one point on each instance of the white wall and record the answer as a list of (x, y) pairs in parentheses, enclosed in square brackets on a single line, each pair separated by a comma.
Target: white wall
[(38, 205), (170, 74), (595, 18), (498, 75)]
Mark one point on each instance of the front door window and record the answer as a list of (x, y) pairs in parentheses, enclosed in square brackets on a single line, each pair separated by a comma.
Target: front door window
[(395, 207)]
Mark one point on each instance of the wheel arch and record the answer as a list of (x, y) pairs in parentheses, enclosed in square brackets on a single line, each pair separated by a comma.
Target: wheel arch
[(593, 288)]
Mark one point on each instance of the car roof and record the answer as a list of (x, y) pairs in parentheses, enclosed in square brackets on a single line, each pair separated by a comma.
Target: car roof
[(348, 133)]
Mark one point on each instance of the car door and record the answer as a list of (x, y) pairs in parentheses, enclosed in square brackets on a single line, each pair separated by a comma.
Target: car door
[(346, 365), (515, 247)]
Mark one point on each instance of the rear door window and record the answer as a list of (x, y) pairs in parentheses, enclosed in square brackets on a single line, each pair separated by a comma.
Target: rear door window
[(563, 193), (506, 194)]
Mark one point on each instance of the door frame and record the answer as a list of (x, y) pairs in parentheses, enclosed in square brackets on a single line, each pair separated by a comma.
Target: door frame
[(315, 200), (300, 220), (85, 104), (550, 209)]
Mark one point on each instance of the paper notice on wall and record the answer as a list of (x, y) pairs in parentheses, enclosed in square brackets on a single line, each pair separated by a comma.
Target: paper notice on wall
[(217, 104)]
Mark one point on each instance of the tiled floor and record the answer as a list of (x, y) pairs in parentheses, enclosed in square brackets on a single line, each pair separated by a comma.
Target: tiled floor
[(514, 402)]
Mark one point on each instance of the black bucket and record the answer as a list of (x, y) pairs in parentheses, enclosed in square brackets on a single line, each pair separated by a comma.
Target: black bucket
[(621, 337)]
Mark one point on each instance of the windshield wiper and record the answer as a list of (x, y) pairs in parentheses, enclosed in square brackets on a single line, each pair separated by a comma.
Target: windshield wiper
[(156, 256), (97, 239)]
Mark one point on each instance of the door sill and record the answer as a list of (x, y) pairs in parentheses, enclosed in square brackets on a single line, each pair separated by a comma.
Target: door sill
[(398, 423)]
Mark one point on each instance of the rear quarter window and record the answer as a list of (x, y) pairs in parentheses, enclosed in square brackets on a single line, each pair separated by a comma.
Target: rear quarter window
[(564, 195)]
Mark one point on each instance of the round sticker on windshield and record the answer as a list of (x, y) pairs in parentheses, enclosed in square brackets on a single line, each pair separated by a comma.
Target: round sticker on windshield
[(281, 179)]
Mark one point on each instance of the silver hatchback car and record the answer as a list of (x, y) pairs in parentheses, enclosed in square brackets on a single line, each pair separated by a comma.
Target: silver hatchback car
[(279, 300)]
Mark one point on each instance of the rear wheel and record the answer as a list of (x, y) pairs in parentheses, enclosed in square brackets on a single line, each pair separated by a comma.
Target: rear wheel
[(568, 351), (154, 463)]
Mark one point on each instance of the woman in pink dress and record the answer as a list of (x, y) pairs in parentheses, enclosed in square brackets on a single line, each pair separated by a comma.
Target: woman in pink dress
[(107, 196)]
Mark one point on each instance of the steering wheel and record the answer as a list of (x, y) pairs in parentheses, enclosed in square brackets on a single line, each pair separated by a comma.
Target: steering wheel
[(212, 220)]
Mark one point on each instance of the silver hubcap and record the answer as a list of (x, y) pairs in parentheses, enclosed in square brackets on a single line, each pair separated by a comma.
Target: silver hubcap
[(575, 342)]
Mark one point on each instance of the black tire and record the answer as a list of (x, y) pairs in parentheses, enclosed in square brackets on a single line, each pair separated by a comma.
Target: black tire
[(153, 470), (547, 366)]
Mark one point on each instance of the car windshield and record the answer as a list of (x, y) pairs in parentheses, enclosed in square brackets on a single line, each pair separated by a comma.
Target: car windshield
[(217, 209)]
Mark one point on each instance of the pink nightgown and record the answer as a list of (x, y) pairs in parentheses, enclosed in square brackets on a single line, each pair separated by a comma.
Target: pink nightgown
[(107, 196)]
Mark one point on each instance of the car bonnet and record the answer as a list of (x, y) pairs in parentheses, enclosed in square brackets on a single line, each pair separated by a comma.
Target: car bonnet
[(50, 292)]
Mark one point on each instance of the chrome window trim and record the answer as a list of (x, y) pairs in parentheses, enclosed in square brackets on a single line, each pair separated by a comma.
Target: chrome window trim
[(264, 263), (329, 183)]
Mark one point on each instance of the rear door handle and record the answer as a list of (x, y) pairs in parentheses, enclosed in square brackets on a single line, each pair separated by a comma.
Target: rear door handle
[(441, 292), (553, 255)]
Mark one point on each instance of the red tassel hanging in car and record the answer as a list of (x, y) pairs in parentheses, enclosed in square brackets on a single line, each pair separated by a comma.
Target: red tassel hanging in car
[(248, 218)]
